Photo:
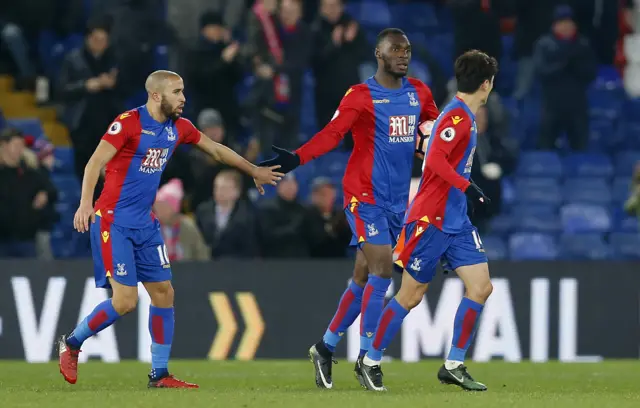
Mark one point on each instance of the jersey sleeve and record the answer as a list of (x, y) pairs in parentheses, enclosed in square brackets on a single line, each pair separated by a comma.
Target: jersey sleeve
[(429, 110), (120, 130), (330, 136), (453, 130), (187, 132)]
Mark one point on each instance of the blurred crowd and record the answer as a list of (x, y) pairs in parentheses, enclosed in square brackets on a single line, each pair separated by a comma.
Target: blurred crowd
[(266, 47)]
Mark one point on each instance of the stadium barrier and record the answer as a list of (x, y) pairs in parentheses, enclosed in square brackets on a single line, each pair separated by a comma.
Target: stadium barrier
[(276, 309)]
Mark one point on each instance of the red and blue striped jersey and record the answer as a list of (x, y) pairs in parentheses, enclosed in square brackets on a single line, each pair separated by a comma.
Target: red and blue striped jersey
[(132, 176), (447, 164), (383, 123)]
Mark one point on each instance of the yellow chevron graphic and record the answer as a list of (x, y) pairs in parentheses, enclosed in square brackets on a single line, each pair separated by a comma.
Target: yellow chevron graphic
[(227, 326), (254, 326)]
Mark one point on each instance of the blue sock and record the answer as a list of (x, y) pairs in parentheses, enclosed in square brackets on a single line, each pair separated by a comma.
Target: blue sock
[(390, 323), (372, 305), (348, 310), (161, 322), (464, 327), (103, 316)]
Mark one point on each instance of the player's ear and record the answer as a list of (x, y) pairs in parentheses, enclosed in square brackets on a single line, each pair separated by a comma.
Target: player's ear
[(376, 52)]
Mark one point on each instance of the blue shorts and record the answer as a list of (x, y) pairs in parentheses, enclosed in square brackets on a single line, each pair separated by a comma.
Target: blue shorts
[(421, 245), (373, 224), (128, 255)]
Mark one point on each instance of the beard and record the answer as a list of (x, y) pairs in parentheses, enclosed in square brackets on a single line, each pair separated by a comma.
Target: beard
[(167, 110), (389, 69)]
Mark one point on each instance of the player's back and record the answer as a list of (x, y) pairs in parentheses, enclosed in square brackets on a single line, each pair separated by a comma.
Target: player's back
[(379, 169), (453, 138), (133, 175)]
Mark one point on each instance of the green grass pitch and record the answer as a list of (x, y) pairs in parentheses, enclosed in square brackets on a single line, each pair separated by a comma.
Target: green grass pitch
[(285, 384)]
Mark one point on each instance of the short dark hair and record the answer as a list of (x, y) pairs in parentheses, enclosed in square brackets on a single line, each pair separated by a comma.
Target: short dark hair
[(473, 68), (387, 32), (10, 133), (102, 23)]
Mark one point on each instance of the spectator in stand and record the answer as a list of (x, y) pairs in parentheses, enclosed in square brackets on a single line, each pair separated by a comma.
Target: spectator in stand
[(327, 228), (88, 78), (226, 221), (26, 198), (205, 168), (12, 37), (182, 238), (495, 157), (214, 70), (477, 25), (340, 46), (278, 50), (138, 27), (566, 65), (534, 18), (282, 223), (39, 157)]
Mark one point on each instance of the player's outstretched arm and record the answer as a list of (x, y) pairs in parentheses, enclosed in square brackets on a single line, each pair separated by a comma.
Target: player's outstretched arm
[(325, 140), (101, 156), (261, 175)]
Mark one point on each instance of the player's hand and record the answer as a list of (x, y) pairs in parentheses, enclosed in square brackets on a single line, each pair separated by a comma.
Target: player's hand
[(83, 215), (286, 160), (266, 175), (476, 195)]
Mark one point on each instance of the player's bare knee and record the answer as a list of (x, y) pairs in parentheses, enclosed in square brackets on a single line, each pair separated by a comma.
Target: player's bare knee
[(382, 269), (411, 293), (480, 291), (125, 302), (161, 294)]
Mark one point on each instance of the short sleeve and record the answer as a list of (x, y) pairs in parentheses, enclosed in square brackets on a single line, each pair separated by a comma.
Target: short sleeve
[(119, 131), (189, 134)]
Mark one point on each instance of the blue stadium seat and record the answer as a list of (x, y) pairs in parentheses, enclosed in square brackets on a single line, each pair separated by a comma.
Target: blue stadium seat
[(68, 188), (627, 161), (623, 222), (414, 16), (605, 103), (587, 190), (620, 189), (502, 224), (588, 165), (28, 126), (538, 191), (625, 245), (536, 218), (495, 247), (540, 164), (64, 160), (626, 138), (580, 218), (631, 110), (532, 246), (374, 13), (601, 135), (584, 247)]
